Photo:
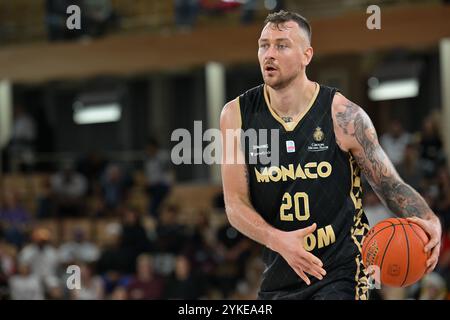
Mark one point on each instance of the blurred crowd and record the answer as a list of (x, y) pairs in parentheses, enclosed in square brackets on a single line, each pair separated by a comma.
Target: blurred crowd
[(99, 17), (142, 255), (166, 260), (154, 252), (149, 251)]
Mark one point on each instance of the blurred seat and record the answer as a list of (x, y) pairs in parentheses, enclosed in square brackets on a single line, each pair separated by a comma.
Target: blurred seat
[(194, 196), (104, 230), (70, 226)]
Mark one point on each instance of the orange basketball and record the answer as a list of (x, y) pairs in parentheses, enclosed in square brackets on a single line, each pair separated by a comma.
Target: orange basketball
[(396, 246)]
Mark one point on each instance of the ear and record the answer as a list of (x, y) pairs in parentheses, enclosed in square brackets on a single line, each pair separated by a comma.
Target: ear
[(308, 54)]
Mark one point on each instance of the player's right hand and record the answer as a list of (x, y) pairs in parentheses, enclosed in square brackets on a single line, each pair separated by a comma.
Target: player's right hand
[(290, 246)]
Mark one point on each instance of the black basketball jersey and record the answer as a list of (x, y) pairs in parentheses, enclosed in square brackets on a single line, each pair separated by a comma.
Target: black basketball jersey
[(313, 181)]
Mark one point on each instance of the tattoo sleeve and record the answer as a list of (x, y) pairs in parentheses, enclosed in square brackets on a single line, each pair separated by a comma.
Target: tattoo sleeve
[(398, 196)]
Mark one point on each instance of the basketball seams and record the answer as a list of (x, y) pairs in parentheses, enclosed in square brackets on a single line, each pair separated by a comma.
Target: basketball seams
[(411, 272), (417, 235), (407, 253), (387, 245), (373, 235), (415, 232), (392, 224)]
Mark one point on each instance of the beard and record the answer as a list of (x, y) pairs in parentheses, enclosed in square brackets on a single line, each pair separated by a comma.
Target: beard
[(278, 82)]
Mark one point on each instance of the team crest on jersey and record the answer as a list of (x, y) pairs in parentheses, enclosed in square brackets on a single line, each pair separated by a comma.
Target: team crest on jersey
[(318, 145), (318, 135)]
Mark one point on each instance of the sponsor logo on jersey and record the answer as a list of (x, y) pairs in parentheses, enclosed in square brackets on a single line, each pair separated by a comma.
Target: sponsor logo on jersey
[(318, 145), (311, 170), (290, 146), (260, 153), (263, 146)]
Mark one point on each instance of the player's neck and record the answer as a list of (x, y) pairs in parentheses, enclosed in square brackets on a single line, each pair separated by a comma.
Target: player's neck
[(293, 99)]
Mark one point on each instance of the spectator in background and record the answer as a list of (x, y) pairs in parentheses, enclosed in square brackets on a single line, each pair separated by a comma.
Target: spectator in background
[(55, 19), (183, 285), (146, 285), (443, 266), (410, 169), (7, 266), (248, 11), (395, 141), (91, 285), (134, 238), (247, 289), (68, 190), (119, 293), (42, 258), (249, 8), (79, 249), (443, 198), (111, 257), (45, 204), (114, 262), (201, 244), (432, 154), (233, 249), (186, 12), (115, 185), (92, 166), (14, 218), (26, 285), (23, 138), (159, 175), (171, 235), (98, 17)]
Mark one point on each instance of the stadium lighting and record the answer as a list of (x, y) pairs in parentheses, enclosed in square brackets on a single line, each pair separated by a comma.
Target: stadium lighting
[(101, 113), (393, 89)]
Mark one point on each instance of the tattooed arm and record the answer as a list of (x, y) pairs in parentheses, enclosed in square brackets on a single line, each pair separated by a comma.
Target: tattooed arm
[(241, 213), (355, 133)]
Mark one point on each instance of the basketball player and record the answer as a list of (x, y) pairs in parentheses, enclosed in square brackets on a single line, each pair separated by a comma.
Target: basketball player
[(306, 210)]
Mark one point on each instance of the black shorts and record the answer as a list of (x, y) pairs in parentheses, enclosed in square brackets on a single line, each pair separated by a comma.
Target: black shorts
[(348, 282)]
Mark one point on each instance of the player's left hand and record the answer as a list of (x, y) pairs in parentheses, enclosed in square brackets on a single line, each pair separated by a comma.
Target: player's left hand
[(432, 226)]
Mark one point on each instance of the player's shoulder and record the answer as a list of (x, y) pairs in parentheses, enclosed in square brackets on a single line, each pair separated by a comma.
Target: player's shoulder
[(252, 96), (342, 104), (339, 103), (346, 116), (343, 113), (231, 114), (257, 90), (230, 107)]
